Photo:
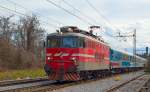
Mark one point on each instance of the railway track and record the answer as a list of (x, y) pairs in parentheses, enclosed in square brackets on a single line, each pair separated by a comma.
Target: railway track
[(58, 86), (23, 84), (133, 85), (146, 87), (39, 85), (12, 82)]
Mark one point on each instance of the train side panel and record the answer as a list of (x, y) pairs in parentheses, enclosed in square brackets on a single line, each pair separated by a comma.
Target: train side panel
[(97, 57), (125, 60), (115, 58)]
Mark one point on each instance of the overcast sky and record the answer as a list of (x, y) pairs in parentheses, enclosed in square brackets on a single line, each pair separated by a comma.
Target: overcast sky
[(125, 15)]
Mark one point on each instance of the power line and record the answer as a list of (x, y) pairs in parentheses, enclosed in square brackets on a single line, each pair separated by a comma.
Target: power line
[(67, 10), (16, 4), (100, 14), (16, 12), (81, 19), (34, 11), (83, 14)]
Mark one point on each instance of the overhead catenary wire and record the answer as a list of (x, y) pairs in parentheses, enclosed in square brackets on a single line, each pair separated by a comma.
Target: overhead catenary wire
[(34, 11), (70, 5), (69, 12), (101, 15), (16, 4), (16, 12), (83, 14)]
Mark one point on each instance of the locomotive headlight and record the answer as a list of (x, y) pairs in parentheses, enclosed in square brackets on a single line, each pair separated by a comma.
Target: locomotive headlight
[(48, 58), (74, 60)]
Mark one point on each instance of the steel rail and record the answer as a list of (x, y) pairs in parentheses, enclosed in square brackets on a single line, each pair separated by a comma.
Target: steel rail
[(13, 82), (58, 86), (42, 86), (144, 86), (112, 89)]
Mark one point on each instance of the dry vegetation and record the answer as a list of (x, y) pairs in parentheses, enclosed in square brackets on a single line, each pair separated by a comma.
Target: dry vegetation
[(21, 43), (21, 74), (16, 58)]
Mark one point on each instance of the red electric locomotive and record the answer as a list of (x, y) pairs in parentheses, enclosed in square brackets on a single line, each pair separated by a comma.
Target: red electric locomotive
[(74, 54)]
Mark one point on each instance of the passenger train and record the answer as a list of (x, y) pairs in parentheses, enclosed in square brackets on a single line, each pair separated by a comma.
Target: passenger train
[(74, 54)]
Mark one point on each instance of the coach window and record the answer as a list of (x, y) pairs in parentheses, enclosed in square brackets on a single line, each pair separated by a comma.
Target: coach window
[(131, 58)]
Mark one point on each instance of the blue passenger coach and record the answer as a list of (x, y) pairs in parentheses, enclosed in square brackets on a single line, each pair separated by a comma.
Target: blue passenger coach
[(120, 59)]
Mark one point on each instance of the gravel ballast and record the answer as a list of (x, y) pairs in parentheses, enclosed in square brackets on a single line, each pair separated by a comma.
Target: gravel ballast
[(100, 85)]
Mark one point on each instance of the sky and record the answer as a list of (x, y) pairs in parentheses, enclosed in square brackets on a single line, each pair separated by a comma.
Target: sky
[(112, 15)]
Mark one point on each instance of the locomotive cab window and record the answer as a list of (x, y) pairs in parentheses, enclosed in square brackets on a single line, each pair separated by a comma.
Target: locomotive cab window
[(81, 43), (72, 42), (65, 42), (69, 42), (53, 42)]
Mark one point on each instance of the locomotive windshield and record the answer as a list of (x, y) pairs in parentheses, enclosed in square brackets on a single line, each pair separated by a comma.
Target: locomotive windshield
[(53, 42), (69, 42), (65, 42)]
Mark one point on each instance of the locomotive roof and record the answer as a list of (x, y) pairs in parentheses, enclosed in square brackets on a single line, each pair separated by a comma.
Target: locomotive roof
[(79, 35)]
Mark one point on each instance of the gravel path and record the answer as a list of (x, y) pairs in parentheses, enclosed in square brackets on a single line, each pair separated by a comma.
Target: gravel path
[(134, 86), (99, 85)]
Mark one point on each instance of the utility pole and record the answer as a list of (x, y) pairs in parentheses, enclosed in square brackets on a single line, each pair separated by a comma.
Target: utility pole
[(134, 43), (134, 46), (146, 51)]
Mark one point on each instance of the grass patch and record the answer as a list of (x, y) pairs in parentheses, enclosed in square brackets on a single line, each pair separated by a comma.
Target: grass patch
[(20, 74)]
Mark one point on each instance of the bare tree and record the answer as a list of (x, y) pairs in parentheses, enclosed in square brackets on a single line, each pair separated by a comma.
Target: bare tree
[(6, 28), (18, 40), (30, 32)]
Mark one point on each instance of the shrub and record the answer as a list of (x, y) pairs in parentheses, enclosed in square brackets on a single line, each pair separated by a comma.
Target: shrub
[(12, 57)]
